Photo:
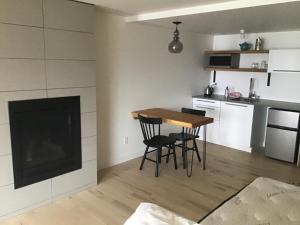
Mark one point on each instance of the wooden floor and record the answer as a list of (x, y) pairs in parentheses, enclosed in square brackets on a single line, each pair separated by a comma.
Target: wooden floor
[(122, 188)]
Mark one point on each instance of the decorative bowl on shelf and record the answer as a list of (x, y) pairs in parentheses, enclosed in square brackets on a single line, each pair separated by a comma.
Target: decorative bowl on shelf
[(245, 46)]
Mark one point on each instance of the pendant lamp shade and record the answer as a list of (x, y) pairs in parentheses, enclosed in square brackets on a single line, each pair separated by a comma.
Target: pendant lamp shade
[(176, 45)]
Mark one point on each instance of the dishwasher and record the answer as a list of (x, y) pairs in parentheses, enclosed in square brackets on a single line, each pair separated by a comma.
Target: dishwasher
[(282, 139)]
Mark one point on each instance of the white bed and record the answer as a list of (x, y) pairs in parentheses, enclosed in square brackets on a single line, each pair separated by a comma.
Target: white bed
[(263, 202)]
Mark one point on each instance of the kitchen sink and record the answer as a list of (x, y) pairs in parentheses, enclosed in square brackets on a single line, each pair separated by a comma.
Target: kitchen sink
[(245, 100)]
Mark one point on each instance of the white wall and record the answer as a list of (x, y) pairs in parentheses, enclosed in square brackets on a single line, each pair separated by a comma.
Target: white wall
[(135, 71), (283, 86)]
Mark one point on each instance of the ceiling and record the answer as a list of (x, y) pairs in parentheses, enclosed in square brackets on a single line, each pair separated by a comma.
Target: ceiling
[(211, 16), (135, 7), (271, 18)]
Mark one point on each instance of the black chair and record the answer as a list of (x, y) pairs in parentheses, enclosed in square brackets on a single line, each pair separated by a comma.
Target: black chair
[(153, 139), (186, 135)]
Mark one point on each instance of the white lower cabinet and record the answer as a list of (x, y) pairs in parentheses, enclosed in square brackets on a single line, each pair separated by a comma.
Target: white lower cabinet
[(236, 125), (212, 134), (212, 109), (232, 125)]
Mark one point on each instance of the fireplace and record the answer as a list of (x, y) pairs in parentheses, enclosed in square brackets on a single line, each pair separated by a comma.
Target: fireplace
[(45, 138)]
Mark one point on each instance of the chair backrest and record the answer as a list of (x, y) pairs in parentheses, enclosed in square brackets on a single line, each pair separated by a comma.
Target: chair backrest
[(150, 126), (192, 131)]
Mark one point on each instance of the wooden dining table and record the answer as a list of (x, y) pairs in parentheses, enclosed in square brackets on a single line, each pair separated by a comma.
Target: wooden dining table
[(179, 119)]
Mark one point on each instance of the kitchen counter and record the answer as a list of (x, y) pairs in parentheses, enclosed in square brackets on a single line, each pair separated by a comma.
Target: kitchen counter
[(291, 106)]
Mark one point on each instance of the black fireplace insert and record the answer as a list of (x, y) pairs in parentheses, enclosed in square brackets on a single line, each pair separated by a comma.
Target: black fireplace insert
[(45, 138)]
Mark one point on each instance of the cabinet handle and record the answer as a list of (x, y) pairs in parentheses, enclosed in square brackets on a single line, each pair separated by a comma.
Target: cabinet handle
[(205, 101), (245, 106), (202, 107)]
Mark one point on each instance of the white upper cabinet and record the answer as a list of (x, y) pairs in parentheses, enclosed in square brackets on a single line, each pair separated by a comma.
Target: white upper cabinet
[(284, 60)]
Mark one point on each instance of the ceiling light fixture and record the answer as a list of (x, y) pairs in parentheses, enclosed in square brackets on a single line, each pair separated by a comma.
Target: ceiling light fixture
[(176, 46)]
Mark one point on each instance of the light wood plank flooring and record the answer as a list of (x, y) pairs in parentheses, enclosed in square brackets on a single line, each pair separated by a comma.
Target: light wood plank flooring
[(122, 188)]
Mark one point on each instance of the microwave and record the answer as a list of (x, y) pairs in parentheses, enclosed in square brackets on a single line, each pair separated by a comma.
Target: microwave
[(224, 60)]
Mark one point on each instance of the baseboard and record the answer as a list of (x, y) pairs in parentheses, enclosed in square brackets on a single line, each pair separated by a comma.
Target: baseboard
[(77, 190), (119, 160), (24, 210)]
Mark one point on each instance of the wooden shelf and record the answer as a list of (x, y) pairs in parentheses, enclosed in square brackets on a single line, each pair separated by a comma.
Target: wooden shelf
[(237, 69), (237, 52)]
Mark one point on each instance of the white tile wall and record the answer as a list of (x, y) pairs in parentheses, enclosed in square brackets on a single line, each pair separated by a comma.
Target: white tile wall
[(89, 148), (6, 172), (13, 200), (76, 179), (22, 74), (69, 45), (21, 41), (69, 15), (5, 97), (87, 97), (25, 73), (63, 74), (23, 12), (5, 148), (88, 124)]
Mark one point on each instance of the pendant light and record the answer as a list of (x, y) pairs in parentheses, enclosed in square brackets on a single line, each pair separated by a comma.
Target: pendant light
[(176, 46)]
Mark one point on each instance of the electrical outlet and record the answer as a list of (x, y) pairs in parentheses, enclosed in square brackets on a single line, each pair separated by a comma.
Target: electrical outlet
[(125, 140)]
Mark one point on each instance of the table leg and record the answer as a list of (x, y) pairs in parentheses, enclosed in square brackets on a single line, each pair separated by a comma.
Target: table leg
[(204, 146), (185, 158)]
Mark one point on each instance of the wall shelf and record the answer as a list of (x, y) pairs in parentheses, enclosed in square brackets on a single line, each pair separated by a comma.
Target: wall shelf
[(235, 55), (237, 69), (237, 52)]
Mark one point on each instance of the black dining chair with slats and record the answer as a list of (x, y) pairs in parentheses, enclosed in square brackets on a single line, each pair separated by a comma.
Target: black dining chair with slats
[(186, 135), (153, 139)]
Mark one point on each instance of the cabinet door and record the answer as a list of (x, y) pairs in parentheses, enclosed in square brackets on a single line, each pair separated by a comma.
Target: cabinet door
[(212, 129), (206, 102), (212, 112), (284, 60), (236, 125), (212, 134)]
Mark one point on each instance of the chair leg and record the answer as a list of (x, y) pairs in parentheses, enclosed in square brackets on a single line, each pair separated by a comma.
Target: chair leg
[(144, 157), (196, 149), (160, 152), (168, 155), (174, 155), (157, 161)]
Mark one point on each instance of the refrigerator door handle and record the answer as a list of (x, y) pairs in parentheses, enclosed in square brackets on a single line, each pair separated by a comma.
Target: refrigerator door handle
[(282, 127)]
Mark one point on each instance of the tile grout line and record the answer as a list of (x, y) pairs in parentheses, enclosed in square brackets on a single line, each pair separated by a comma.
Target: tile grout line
[(44, 36), (49, 59), (81, 113), (58, 88), (48, 28)]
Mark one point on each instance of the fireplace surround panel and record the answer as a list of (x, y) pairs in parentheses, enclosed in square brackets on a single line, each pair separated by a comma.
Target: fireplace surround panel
[(38, 62)]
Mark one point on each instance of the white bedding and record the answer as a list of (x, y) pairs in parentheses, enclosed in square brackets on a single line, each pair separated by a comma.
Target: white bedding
[(151, 214), (263, 202)]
